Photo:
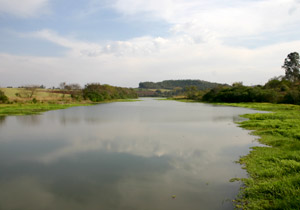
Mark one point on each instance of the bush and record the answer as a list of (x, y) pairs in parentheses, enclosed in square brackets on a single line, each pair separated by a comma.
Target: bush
[(292, 97), (97, 93), (3, 97), (34, 100), (76, 95), (241, 94)]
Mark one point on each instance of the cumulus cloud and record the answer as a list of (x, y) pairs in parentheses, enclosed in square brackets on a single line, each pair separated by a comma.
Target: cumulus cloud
[(24, 8), (217, 19)]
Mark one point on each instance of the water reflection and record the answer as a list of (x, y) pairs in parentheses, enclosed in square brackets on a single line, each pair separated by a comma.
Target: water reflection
[(29, 120), (2, 120), (123, 156)]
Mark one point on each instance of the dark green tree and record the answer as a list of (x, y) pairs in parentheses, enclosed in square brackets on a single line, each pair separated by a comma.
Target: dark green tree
[(291, 66), (3, 97), (96, 92), (191, 92)]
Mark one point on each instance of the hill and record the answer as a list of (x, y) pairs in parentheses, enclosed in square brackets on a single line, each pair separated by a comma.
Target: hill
[(171, 84)]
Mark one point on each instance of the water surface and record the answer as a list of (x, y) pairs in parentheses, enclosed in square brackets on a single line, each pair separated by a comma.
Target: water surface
[(130, 155)]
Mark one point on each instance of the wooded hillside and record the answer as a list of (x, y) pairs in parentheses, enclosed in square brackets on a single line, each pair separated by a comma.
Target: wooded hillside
[(171, 84)]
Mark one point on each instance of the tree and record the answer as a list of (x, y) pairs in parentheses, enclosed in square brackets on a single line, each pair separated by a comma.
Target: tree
[(3, 97), (237, 84), (32, 89), (62, 85), (191, 92), (291, 66), (74, 90), (96, 92)]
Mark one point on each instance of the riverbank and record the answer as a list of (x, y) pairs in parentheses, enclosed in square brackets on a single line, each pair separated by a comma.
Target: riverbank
[(274, 179), (28, 109), (37, 108)]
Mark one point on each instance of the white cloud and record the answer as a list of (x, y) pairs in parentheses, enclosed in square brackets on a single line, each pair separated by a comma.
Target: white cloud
[(196, 48), (176, 58), (218, 19), (23, 8), (136, 46)]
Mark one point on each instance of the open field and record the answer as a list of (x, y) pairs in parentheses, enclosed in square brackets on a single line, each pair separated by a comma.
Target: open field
[(42, 100), (22, 94)]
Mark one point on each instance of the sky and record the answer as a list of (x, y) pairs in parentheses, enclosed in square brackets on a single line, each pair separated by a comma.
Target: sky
[(124, 42)]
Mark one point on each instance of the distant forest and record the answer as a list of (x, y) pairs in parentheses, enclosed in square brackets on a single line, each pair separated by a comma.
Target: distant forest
[(171, 84), (171, 88)]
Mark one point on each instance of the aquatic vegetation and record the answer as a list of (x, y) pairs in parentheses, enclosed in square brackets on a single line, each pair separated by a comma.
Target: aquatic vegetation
[(274, 178)]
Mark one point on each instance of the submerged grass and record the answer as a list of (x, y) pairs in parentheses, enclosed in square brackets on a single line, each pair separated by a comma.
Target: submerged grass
[(274, 171)]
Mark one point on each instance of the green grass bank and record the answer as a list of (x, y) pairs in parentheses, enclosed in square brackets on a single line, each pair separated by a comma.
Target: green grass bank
[(274, 178), (37, 108), (29, 109)]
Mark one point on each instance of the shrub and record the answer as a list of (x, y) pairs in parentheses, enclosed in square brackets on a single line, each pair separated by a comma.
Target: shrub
[(3, 97), (96, 92), (241, 94), (34, 100), (292, 97)]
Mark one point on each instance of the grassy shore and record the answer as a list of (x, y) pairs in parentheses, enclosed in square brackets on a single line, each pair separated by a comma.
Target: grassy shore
[(31, 108), (41, 100), (28, 109), (274, 178)]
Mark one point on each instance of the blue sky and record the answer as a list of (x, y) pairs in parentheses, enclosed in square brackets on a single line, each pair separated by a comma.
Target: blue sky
[(123, 42)]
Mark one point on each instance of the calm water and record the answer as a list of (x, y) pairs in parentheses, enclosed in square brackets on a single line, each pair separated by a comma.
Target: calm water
[(129, 156)]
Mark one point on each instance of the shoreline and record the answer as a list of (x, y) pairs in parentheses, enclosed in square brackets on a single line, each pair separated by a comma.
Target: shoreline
[(274, 178), (18, 109)]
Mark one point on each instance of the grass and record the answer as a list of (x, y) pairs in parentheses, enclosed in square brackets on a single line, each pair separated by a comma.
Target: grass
[(21, 94), (22, 104), (45, 100), (29, 109), (274, 171)]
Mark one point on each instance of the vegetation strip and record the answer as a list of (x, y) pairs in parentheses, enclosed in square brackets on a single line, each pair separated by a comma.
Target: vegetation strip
[(28, 109), (274, 178), (36, 99)]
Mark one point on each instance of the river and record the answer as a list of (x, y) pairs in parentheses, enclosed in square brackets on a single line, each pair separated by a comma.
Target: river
[(150, 154)]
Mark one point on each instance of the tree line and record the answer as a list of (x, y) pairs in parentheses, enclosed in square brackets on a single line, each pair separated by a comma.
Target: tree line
[(171, 88), (94, 92), (281, 89), (172, 84)]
